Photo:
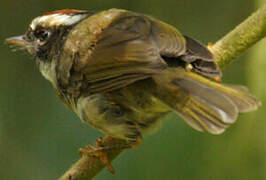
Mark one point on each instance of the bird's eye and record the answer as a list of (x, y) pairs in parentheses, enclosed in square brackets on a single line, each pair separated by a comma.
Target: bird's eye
[(42, 35)]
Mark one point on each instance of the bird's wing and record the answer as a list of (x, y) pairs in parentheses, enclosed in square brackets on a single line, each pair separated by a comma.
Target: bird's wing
[(115, 48), (174, 47), (126, 50)]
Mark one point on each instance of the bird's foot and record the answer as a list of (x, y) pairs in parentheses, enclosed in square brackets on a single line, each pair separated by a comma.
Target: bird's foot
[(100, 150)]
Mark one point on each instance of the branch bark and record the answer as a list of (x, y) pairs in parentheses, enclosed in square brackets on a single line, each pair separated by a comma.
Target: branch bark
[(225, 51), (241, 38), (88, 166)]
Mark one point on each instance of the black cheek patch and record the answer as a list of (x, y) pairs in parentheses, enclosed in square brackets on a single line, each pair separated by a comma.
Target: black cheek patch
[(54, 44), (42, 53), (46, 51)]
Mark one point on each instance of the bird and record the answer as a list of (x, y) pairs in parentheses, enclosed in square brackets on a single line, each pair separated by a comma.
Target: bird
[(122, 72)]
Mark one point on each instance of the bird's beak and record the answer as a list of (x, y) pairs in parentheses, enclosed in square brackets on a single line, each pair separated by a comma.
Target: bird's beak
[(19, 41)]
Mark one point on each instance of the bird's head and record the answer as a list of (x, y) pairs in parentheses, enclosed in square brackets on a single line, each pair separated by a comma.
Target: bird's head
[(46, 33)]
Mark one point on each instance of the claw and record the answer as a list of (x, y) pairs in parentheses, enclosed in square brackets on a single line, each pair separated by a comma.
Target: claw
[(98, 152), (136, 143)]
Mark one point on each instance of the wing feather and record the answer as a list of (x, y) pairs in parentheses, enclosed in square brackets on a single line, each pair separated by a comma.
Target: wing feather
[(124, 47)]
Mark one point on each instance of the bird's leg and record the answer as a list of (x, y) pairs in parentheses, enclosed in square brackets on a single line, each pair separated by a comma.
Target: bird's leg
[(102, 149)]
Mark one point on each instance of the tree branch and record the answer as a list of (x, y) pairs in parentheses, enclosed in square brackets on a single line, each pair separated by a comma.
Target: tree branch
[(241, 38), (225, 51), (88, 166)]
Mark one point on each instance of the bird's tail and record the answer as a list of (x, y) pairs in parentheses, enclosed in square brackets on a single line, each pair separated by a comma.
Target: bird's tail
[(203, 104)]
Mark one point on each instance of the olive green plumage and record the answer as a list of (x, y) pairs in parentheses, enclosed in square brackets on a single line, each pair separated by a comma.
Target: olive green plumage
[(121, 72)]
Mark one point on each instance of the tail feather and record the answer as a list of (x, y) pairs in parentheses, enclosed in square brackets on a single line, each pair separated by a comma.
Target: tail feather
[(242, 98), (203, 104), (203, 118)]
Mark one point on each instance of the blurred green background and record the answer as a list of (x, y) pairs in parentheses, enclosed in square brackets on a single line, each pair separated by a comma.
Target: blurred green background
[(39, 137)]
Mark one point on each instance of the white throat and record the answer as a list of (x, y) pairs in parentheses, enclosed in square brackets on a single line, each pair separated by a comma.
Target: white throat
[(48, 71)]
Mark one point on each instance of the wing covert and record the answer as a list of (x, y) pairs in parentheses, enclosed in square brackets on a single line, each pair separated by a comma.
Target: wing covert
[(119, 51)]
